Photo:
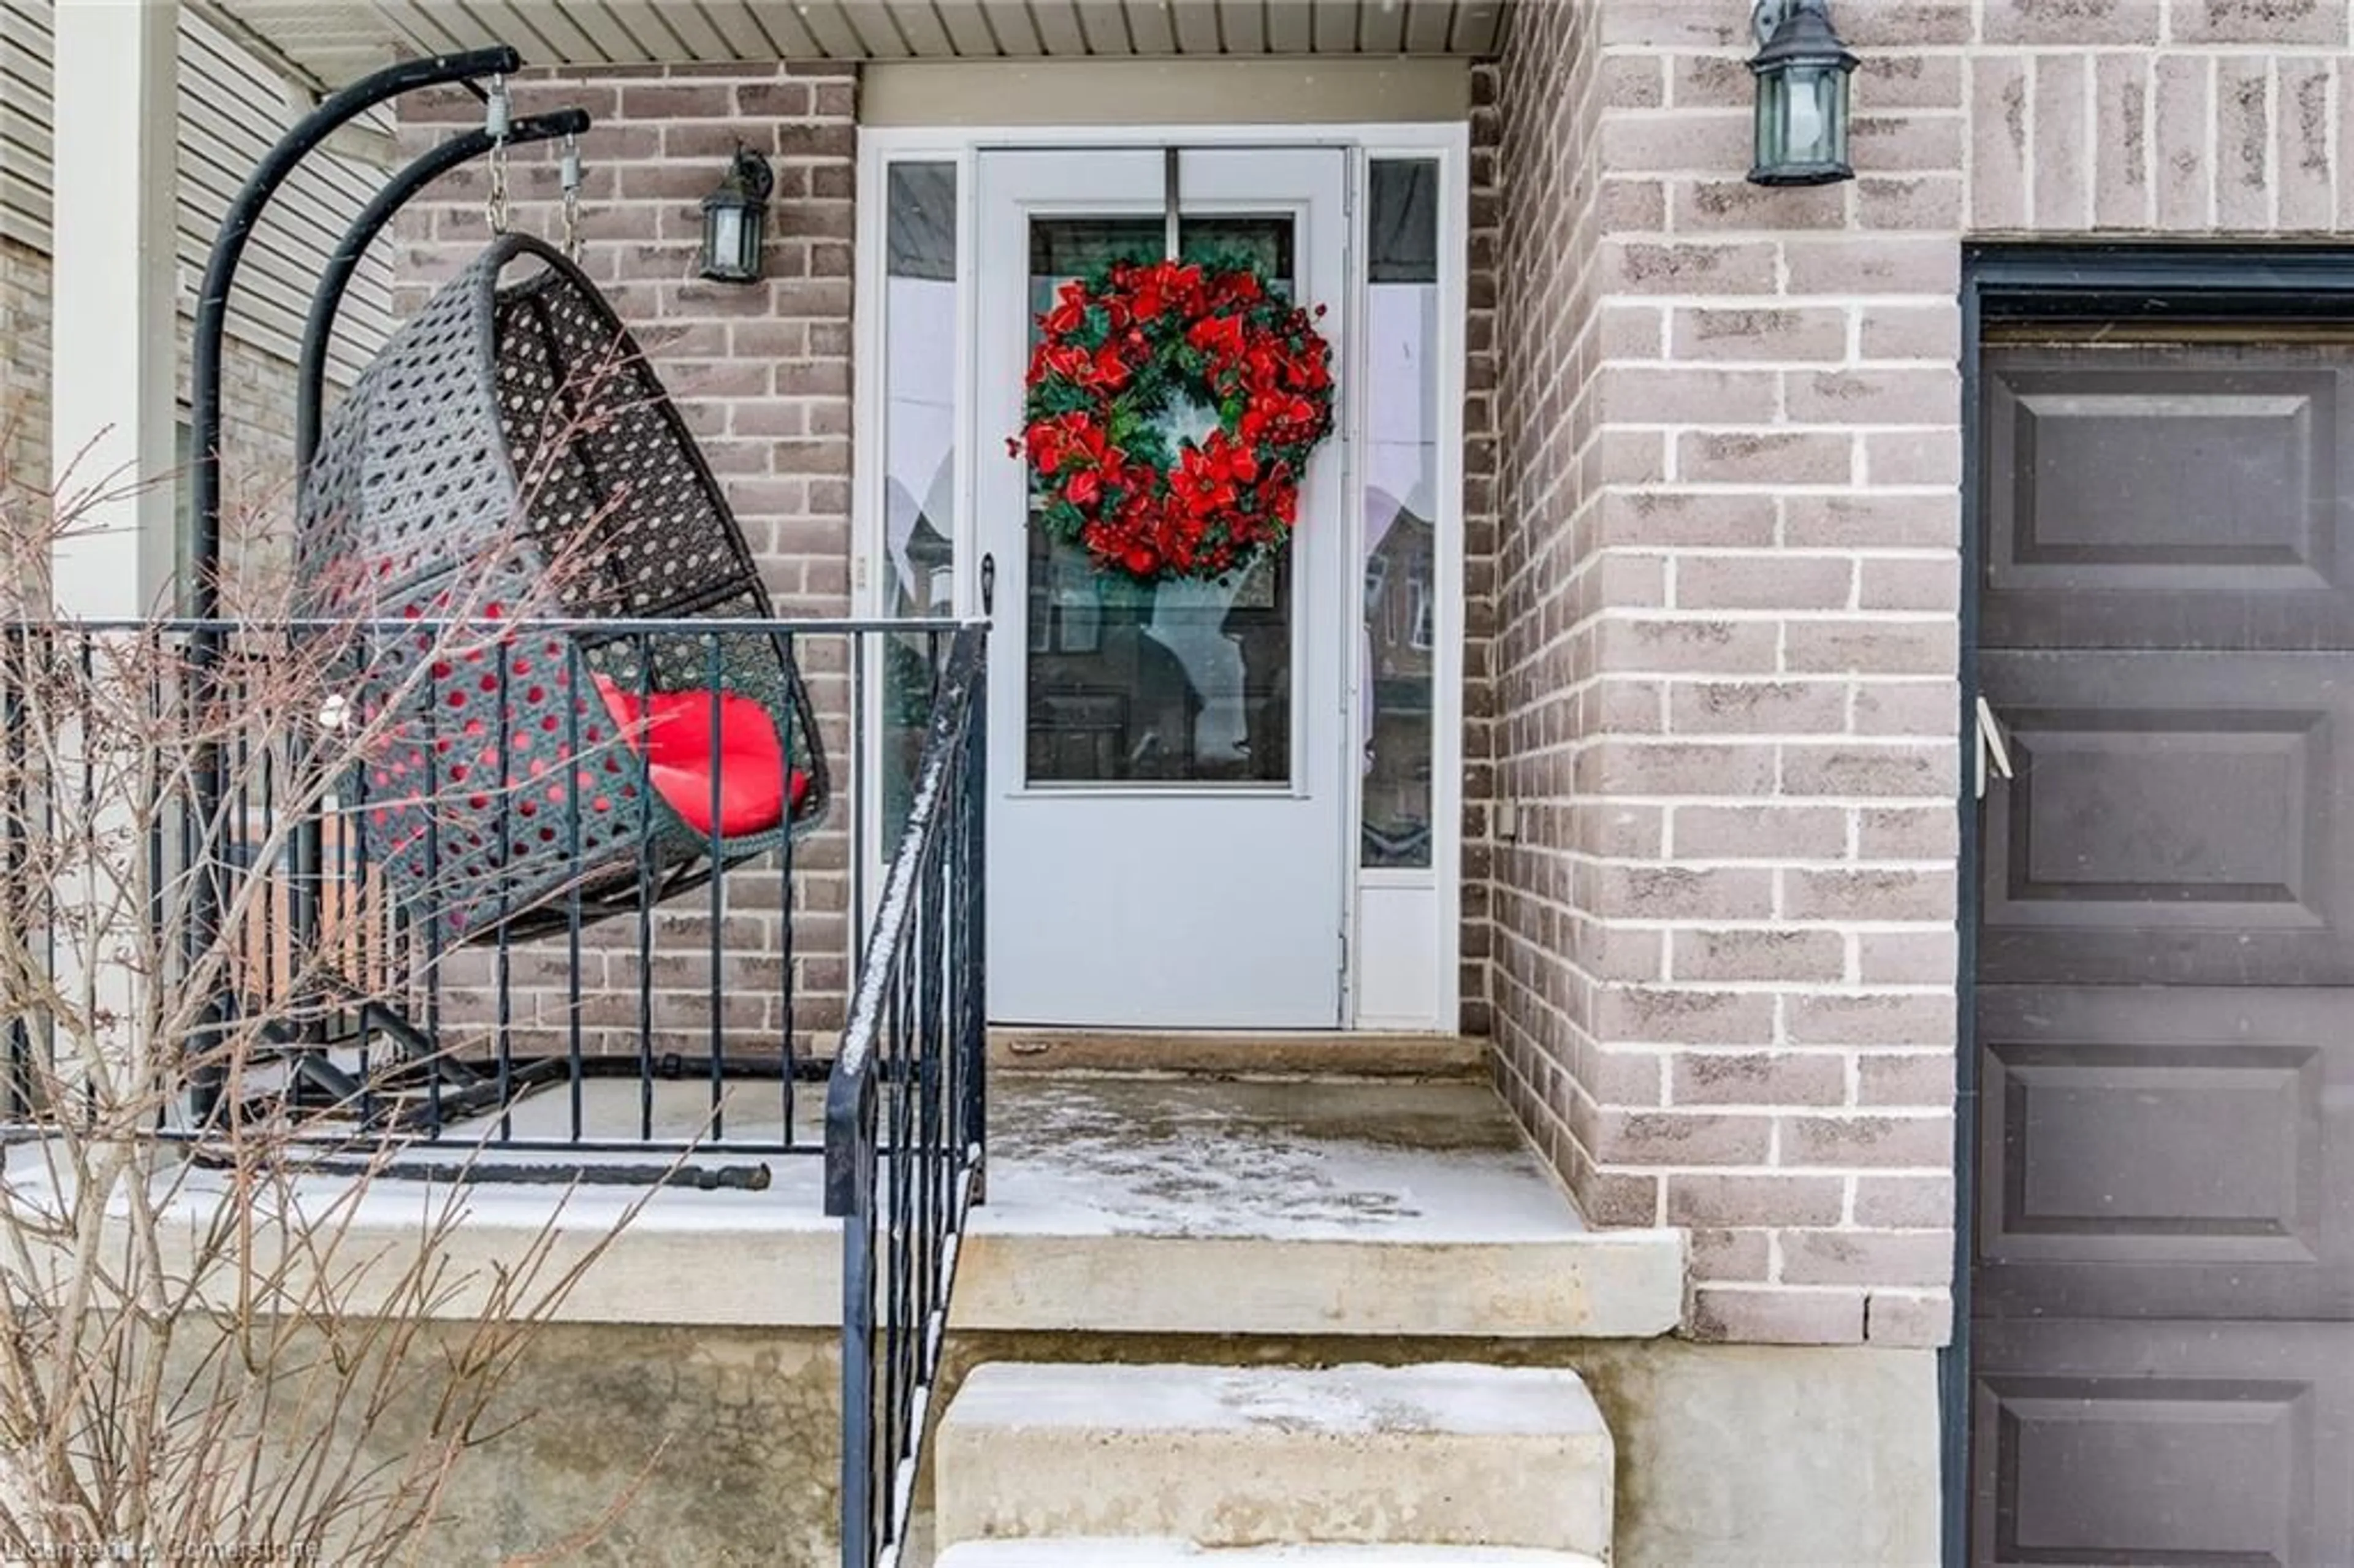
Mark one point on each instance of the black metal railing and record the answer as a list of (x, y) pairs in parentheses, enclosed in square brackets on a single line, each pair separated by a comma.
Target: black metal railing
[(906, 1115), (606, 1032), (445, 902)]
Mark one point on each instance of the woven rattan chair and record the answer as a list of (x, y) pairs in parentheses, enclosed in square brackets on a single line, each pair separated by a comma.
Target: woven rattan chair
[(511, 454)]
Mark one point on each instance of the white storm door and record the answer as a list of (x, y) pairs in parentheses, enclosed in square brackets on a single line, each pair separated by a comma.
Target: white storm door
[(1167, 831)]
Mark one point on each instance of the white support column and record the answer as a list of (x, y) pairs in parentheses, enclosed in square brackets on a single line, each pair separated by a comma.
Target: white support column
[(114, 337), (113, 387)]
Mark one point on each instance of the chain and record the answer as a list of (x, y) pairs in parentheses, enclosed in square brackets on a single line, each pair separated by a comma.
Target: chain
[(572, 199), (495, 117)]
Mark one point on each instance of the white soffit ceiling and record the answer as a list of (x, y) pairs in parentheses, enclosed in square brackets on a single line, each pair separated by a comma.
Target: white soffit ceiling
[(327, 43)]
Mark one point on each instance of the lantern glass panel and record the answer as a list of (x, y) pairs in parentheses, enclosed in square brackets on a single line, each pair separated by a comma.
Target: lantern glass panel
[(1773, 122), (1815, 133), (723, 242)]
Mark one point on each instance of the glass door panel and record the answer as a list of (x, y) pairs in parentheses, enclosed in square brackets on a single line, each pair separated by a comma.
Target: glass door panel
[(1398, 651), (1174, 683)]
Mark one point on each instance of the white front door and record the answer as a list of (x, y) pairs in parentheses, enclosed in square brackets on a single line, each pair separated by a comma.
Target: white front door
[(1168, 822)]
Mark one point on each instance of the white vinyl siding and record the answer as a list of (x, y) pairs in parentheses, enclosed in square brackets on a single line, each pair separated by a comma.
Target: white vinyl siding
[(24, 122), (232, 108)]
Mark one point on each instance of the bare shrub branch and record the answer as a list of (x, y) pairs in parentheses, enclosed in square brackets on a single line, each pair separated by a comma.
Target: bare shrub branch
[(206, 1327)]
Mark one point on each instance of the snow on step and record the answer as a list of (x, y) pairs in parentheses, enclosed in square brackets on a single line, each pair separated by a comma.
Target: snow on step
[(1101, 1553), (1238, 1206), (1447, 1454)]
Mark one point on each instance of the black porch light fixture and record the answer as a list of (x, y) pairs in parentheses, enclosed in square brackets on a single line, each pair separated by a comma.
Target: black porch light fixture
[(1802, 71), (735, 219)]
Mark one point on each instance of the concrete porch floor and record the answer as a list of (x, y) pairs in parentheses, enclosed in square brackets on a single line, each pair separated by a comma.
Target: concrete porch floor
[(1116, 1203), (1292, 1206)]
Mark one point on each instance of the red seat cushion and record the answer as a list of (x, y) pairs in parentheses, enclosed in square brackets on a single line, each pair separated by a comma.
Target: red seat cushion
[(676, 739)]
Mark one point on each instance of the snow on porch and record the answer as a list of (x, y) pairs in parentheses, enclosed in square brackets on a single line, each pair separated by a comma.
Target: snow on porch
[(1116, 1203), (1279, 1161), (1293, 1206)]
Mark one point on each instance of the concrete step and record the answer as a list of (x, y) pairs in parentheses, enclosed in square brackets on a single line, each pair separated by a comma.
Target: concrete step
[(1102, 1553), (1447, 1454), (1157, 1205)]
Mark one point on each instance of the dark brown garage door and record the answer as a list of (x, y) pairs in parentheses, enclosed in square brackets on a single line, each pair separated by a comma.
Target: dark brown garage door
[(2163, 1319)]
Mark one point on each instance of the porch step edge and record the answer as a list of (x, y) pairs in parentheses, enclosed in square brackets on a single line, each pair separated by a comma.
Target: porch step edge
[(1340, 1054), (1616, 1285), (1450, 1453)]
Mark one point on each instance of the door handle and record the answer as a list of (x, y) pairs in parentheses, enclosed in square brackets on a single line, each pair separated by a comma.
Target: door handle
[(1993, 748), (988, 584)]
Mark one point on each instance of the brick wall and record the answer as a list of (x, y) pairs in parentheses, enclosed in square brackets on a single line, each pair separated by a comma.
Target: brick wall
[(1479, 546), (1728, 633), (1550, 95), (257, 473), (257, 408), (24, 367), (762, 374)]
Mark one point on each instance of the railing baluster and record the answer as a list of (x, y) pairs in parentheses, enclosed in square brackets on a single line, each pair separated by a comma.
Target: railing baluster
[(22, 899), (306, 883), (902, 1114), (717, 988), (645, 685), (932, 991), (267, 982), (91, 745), (973, 797), (577, 686), (857, 1211), (436, 936), (900, 1392), (159, 831), (236, 850), (503, 960), (789, 1048), (375, 979)]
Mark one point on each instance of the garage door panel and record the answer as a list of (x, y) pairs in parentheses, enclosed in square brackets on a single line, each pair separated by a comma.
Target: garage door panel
[(2174, 819), (2162, 497), (2148, 1152), (2162, 1290), (2162, 1442)]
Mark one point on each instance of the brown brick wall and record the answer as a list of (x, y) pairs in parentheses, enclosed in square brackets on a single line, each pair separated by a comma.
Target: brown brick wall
[(257, 406), (1727, 634), (257, 473), (1546, 326), (25, 368), (762, 374), (1480, 548)]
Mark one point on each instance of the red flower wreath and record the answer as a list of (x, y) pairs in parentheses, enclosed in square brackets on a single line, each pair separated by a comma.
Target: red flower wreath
[(1118, 348)]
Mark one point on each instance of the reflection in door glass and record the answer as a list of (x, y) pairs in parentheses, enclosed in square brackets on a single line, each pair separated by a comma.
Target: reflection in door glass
[(918, 566), (1155, 682), (1399, 637)]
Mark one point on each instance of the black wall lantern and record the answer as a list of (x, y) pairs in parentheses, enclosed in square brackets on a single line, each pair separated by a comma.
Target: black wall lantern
[(1802, 72), (735, 219)]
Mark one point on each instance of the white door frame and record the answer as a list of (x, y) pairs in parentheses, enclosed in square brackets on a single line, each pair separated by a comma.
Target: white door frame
[(1434, 897)]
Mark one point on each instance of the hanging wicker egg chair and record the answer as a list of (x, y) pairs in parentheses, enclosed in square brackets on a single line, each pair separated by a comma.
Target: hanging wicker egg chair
[(511, 458)]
